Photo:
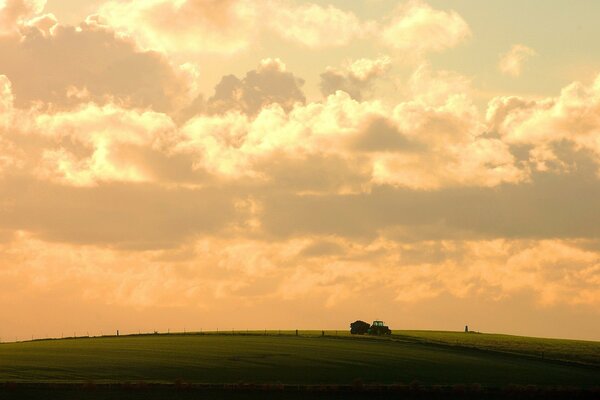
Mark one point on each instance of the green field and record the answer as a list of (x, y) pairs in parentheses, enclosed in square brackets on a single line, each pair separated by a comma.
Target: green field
[(431, 358)]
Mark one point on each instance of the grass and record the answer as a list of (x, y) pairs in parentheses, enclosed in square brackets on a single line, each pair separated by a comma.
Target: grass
[(577, 351), (432, 358)]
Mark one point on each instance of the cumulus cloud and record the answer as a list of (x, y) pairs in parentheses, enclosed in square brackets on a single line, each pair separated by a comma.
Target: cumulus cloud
[(544, 125), (314, 26), (275, 127), (269, 84), (416, 28), (101, 144), (354, 77), (512, 62), (227, 27), (193, 26), (210, 26)]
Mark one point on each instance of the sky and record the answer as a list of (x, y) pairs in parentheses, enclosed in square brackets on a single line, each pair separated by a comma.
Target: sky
[(280, 164)]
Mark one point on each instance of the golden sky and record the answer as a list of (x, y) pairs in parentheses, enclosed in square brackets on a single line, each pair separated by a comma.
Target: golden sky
[(204, 164)]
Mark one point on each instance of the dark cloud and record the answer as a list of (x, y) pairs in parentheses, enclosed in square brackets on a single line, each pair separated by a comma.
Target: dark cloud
[(552, 206), (320, 249), (88, 63), (136, 216), (356, 78), (270, 83), (162, 167), (381, 135), (5, 235), (332, 81), (314, 172)]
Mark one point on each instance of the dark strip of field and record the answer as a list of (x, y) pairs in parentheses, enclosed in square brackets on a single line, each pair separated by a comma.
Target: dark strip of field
[(245, 391)]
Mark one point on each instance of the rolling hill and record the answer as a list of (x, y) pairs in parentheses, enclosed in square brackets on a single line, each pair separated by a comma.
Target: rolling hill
[(407, 357)]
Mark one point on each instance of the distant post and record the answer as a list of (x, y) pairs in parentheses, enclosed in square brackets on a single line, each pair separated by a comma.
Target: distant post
[(296, 332), (322, 333), (117, 332), (466, 328)]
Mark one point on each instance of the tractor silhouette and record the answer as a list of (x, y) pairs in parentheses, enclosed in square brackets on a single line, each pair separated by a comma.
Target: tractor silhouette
[(361, 328)]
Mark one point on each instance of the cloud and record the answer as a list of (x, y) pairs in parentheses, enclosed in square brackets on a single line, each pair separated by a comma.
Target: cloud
[(547, 124), (237, 147), (14, 12), (185, 26), (227, 27), (381, 135), (269, 84), (91, 144), (313, 205), (6, 95), (314, 26), (416, 29), (101, 67), (354, 77), (101, 144), (511, 63), (9, 154), (125, 192), (457, 213), (234, 278), (336, 163), (130, 217)]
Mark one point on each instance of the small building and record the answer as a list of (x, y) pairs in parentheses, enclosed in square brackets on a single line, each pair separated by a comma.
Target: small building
[(359, 327)]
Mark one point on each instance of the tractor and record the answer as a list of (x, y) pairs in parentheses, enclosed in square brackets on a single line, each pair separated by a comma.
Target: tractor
[(361, 328), (379, 328)]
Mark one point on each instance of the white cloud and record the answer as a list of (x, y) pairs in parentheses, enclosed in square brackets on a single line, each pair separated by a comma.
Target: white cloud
[(512, 62), (417, 29), (366, 68), (572, 117), (313, 25), (229, 26), (188, 26)]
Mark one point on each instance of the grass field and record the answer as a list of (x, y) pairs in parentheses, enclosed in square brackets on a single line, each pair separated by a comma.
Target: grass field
[(432, 358), (579, 351)]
